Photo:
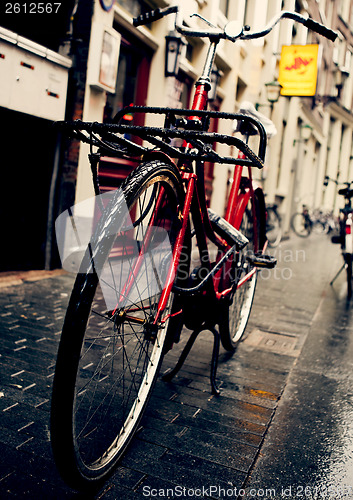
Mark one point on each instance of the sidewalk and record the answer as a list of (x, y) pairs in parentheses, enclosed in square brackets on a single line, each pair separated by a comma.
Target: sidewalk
[(190, 443)]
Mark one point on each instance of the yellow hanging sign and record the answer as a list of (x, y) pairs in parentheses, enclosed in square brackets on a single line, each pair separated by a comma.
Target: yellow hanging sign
[(298, 70)]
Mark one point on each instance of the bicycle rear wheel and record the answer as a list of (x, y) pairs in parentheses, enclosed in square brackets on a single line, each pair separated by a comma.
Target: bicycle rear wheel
[(300, 225), (273, 227), (235, 309), (111, 349)]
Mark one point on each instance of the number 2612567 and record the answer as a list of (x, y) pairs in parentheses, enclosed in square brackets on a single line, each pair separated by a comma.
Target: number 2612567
[(32, 8)]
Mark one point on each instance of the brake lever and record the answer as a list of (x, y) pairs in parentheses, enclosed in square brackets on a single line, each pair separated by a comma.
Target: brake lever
[(204, 19)]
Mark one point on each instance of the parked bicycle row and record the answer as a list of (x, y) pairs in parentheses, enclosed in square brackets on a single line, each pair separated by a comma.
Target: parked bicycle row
[(313, 221)]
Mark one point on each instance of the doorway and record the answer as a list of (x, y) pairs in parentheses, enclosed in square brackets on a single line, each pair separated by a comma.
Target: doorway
[(27, 148)]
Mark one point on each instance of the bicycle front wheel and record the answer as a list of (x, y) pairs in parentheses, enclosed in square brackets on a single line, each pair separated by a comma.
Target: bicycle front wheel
[(111, 348), (235, 310), (300, 225)]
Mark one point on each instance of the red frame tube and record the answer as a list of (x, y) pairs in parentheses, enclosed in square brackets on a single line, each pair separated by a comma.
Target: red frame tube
[(236, 206), (233, 195), (191, 178)]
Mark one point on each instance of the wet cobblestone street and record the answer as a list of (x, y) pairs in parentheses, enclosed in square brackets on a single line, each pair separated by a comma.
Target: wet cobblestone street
[(282, 422)]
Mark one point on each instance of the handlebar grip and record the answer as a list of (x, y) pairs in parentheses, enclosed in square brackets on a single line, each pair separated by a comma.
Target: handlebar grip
[(321, 29), (153, 15)]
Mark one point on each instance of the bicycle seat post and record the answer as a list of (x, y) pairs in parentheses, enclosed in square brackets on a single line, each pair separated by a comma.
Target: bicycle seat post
[(203, 84)]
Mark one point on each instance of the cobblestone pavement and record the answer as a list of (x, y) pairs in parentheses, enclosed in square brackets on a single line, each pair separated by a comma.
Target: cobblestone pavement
[(188, 439)]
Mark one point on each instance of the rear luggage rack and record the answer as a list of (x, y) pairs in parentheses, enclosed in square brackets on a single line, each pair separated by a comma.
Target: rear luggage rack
[(187, 125)]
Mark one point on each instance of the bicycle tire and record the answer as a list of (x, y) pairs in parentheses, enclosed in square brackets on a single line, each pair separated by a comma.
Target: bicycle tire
[(273, 227), (108, 361), (319, 228), (235, 310), (300, 225), (348, 259)]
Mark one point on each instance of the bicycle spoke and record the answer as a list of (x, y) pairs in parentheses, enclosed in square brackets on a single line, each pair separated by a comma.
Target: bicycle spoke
[(116, 329)]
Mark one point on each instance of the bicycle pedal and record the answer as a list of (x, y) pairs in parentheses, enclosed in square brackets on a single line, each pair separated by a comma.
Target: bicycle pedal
[(262, 261), (337, 239), (226, 231)]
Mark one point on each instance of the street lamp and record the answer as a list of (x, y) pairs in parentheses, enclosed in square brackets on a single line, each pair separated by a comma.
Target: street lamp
[(174, 46), (273, 91), (305, 133)]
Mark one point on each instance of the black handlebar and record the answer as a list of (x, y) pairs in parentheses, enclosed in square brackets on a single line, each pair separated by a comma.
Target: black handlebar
[(156, 14), (343, 191), (321, 29), (153, 15)]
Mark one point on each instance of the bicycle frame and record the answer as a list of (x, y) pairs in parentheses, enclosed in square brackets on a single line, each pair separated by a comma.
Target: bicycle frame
[(195, 202)]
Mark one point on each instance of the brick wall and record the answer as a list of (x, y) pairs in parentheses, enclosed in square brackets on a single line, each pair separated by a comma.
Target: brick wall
[(75, 100)]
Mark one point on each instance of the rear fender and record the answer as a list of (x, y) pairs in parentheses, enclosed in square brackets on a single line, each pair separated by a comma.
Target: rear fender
[(158, 155), (261, 213)]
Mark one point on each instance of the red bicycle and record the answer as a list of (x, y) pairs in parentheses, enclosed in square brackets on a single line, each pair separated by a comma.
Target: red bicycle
[(136, 289)]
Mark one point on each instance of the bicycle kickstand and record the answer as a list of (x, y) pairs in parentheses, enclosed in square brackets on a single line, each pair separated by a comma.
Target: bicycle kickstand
[(339, 272), (169, 374)]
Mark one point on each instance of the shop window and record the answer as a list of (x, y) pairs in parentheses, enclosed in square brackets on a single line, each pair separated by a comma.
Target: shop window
[(135, 7), (131, 88), (186, 87), (189, 52), (179, 91), (132, 80)]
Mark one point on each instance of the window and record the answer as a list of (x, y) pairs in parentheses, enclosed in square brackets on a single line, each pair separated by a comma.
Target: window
[(224, 7), (189, 52), (135, 7), (240, 91), (344, 9), (339, 51), (249, 12), (131, 85)]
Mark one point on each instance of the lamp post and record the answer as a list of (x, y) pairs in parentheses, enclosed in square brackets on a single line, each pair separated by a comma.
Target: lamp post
[(273, 91), (174, 46)]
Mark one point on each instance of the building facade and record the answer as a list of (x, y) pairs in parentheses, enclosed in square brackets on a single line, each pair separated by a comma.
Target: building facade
[(109, 64), (300, 164), (296, 167), (37, 88)]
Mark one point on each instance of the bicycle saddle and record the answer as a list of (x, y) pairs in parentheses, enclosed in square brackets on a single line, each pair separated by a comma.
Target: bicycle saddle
[(247, 108), (347, 193)]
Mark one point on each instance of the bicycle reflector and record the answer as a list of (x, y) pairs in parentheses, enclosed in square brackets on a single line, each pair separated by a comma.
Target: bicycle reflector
[(349, 236)]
